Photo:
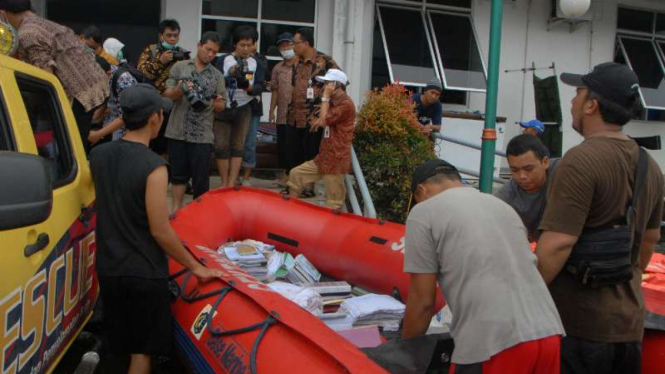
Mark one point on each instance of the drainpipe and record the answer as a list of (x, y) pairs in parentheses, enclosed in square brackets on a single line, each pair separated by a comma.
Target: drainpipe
[(489, 133), (349, 39)]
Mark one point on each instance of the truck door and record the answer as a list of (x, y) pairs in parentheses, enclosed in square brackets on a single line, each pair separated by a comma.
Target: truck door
[(48, 288)]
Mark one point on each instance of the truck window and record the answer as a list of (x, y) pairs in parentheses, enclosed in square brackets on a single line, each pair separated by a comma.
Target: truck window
[(48, 126), (6, 139)]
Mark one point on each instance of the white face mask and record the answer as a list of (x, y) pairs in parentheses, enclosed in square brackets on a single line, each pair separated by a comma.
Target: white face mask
[(288, 54)]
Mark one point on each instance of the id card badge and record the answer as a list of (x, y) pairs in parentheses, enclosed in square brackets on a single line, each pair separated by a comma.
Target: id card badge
[(310, 93), (326, 132)]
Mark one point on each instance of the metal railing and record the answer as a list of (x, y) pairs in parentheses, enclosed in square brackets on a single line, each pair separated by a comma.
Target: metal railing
[(368, 209), (452, 139), (368, 204), (465, 143)]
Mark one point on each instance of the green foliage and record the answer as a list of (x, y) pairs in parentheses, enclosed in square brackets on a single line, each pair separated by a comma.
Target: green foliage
[(390, 147)]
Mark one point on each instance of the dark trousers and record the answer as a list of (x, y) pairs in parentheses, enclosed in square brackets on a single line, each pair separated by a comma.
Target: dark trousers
[(311, 143), (190, 160), (83, 122), (290, 146), (580, 356)]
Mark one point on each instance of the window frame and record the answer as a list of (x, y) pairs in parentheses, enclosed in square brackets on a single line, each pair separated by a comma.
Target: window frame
[(425, 5), (259, 20), (5, 128), (438, 53), (385, 43), (426, 9), (630, 65), (61, 129)]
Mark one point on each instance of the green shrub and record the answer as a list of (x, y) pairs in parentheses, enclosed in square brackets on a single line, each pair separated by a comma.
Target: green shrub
[(390, 147)]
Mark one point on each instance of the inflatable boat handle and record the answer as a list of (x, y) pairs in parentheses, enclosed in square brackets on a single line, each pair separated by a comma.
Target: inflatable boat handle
[(263, 326)]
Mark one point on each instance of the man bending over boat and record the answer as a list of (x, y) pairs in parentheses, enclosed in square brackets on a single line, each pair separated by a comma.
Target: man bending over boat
[(337, 119), (475, 246), (134, 234)]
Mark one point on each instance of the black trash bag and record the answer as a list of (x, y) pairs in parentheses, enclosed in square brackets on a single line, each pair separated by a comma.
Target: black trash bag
[(428, 354)]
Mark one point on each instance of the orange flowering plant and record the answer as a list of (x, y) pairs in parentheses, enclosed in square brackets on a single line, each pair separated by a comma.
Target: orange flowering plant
[(389, 147)]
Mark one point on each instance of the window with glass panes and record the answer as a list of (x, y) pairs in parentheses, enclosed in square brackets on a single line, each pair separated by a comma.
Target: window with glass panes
[(640, 44), (415, 41), (269, 17)]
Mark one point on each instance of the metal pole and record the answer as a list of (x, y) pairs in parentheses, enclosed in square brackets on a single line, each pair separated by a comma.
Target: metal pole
[(489, 133)]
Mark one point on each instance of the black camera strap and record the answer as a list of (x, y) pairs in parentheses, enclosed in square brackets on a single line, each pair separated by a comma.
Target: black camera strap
[(640, 176)]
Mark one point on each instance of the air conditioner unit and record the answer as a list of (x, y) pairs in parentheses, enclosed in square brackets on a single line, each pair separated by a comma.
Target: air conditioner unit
[(557, 13)]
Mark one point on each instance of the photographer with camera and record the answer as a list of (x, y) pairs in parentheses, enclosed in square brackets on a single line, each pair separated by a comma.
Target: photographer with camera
[(198, 90), (156, 62), (258, 87), (231, 126)]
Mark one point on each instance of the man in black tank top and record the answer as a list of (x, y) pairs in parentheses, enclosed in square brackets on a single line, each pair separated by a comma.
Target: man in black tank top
[(134, 236)]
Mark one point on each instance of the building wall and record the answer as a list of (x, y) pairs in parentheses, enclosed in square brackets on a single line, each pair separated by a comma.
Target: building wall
[(344, 30), (526, 39)]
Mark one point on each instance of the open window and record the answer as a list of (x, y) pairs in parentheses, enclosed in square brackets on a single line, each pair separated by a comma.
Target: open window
[(412, 45), (408, 54), (457, 48), (48, 126), (642, 55), (6, 138)]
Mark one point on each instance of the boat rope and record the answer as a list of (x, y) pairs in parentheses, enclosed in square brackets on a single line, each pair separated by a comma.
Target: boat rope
[(221, 293)]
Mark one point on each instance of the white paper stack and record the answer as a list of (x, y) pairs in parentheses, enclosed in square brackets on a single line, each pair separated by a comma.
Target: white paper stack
[(372, 309), (305, 298)]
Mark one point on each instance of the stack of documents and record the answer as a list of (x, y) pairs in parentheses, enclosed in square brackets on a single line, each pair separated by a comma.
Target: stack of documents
[(247, 257), (305, 298), (372, 309), (303, 271), (333, 294)]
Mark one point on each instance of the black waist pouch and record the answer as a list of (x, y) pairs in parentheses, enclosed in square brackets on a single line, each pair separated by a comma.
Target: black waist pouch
[(602, 257)]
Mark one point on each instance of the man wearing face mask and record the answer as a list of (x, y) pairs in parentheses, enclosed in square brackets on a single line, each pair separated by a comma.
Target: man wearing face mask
[(92, 38), (156, 62), (289, 138)]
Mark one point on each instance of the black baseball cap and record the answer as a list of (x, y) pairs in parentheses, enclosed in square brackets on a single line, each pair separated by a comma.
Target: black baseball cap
[(614, 82), (141, 100), (284, 37), (429, 169)]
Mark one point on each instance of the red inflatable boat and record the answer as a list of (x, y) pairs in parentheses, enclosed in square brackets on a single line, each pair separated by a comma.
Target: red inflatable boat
[(237, 325)]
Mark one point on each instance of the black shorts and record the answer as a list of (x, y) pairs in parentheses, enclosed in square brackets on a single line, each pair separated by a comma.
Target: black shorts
[(137, 315), (190, 160)]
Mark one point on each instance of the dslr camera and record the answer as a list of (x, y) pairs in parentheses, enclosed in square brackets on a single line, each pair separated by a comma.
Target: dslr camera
[(240, 73), (179, 54), (196, 97)]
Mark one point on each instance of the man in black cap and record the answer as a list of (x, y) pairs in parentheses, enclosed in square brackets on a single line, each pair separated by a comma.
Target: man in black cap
[(474, 245), (134, 235), (428, 107), (602, 307)]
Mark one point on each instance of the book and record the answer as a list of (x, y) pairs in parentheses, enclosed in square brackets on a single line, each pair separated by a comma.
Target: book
[(308, 268), (339, 288)]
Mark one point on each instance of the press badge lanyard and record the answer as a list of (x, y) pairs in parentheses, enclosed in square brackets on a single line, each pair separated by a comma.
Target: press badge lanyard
[(310, 90)]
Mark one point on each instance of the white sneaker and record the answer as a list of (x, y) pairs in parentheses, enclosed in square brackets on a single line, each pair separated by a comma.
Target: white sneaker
[(246, 183)]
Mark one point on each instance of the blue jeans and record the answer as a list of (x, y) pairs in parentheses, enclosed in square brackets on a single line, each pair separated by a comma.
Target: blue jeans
[(249, 153)]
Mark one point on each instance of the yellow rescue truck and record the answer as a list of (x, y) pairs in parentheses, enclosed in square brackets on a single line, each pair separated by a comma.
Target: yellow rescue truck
[(48, 286)]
